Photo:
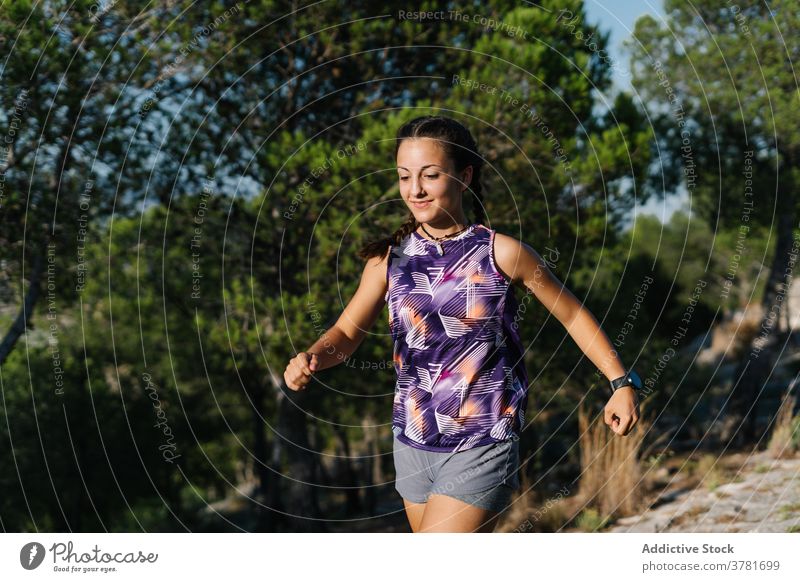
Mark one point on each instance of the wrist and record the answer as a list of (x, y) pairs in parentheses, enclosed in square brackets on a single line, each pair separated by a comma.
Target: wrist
[(627, 389), (628, 380)]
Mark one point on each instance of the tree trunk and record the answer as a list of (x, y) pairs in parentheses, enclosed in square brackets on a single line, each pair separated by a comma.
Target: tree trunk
[(368, 472), (739, 419), (294, 491), (21, 322), (260, 459), (302, 491), (271, 517), (345, 466), (26, 312)]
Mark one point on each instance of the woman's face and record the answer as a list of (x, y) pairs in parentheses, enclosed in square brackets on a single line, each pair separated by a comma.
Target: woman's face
[(428, 182)]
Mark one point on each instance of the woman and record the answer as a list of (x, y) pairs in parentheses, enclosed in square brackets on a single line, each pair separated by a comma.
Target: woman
[(461, 388)]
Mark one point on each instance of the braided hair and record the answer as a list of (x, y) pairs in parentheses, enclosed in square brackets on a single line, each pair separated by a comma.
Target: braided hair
[(460, 147)]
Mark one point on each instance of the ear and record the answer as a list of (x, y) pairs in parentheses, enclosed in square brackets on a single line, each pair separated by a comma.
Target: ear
[(466, 176)]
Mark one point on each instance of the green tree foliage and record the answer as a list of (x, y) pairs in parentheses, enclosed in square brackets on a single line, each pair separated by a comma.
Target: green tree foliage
[(256, 149), (719, 82)]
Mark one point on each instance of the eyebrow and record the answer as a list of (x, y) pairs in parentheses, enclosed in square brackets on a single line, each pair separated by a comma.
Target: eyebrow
[(422, 168)]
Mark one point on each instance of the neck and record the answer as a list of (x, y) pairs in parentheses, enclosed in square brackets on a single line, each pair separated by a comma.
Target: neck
[(440, 229)]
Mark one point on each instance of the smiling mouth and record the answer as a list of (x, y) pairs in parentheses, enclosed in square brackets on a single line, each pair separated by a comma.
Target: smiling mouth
[(422, 204)]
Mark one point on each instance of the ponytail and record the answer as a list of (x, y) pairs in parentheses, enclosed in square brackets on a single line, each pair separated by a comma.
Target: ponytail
[(380, 247)]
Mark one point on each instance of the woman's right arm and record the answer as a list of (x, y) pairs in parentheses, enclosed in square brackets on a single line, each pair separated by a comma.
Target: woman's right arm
[(342, 339)]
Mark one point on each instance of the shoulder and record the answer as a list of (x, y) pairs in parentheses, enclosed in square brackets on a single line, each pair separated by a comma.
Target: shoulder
[(378, 260), (375, 268), (514, 258), (504, 243)]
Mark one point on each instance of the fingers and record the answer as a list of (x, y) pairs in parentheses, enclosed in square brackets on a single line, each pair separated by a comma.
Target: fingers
[(297, 383), (300, 369), (608, 415), (302, 360), (620, 416), (288, 377), (634, 420), (625, 424)]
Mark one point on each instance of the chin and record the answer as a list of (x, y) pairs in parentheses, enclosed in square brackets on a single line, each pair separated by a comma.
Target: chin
[(424, 217)]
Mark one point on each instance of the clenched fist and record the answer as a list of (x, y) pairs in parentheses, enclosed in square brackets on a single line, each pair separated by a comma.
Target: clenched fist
[(298, 371), (621, 413)]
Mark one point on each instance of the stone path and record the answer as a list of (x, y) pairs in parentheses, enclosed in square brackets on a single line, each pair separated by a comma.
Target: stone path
[(764, 498)]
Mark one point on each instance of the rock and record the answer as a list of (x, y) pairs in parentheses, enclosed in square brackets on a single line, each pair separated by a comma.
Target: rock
[(765, 500)]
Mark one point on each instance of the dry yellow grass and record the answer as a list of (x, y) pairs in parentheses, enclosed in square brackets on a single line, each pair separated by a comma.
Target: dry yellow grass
[(611, 470), (534, 512), (785, 437)]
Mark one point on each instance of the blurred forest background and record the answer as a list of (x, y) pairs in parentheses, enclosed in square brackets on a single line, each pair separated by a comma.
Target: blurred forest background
[(184, 185)]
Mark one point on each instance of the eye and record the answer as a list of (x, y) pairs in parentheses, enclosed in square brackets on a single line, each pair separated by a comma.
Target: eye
[(403, 178), (432, 176)]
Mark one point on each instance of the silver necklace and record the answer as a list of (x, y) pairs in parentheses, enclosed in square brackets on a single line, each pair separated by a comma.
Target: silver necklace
[(436, 240)]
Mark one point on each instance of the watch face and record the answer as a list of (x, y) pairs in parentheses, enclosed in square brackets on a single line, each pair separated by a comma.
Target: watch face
[(633, 380), (630, 379)]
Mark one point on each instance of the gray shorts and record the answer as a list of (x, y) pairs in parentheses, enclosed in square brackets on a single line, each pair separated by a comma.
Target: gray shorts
[(484, 476)]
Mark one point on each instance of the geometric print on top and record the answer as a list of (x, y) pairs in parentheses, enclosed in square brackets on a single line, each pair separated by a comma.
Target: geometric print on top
[(461, 379)]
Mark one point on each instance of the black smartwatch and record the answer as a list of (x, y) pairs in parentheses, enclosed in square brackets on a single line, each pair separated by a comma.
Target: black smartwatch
[(631, 378)]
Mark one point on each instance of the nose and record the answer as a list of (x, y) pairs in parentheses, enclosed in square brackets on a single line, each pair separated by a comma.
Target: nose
[(416, 188)]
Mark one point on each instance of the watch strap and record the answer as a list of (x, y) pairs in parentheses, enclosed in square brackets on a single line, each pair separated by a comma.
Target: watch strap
[(630, 378)]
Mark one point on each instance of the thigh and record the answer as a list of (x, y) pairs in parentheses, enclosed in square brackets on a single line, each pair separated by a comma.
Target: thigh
[(447, 514), (414, 513)]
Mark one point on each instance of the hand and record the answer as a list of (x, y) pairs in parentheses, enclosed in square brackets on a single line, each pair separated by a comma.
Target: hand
[(622, 410), (298, 371)]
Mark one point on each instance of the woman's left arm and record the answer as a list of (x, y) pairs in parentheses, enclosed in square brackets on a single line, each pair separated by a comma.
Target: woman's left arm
[(522, 264)]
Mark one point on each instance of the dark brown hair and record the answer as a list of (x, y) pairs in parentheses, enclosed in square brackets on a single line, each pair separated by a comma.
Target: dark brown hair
[(459, 146)]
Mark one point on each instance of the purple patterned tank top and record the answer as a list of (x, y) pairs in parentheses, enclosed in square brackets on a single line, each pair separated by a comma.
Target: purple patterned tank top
[(460, 382)]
